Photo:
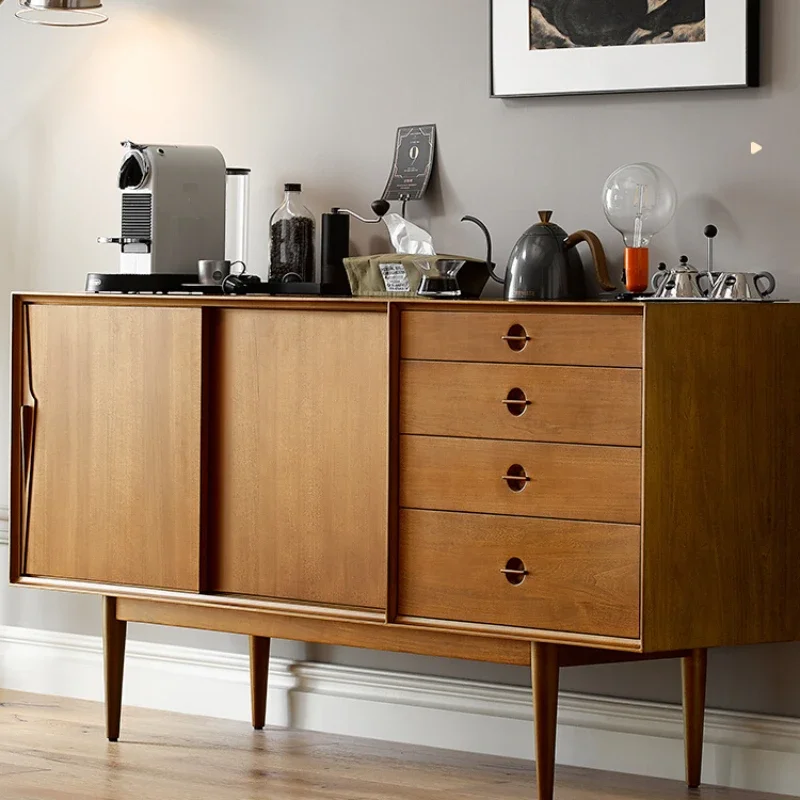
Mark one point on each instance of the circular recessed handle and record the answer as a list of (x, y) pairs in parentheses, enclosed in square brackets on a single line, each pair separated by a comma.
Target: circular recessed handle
[(517, 338), (517, 402), (515, 571), (517, 478)]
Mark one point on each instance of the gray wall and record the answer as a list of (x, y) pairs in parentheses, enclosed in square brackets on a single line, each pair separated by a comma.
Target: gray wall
[(313, 90)]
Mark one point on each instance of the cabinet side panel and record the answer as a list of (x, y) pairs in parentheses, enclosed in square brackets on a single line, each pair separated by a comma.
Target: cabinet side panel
[(721, 550), (114, 493), (393, 473), (17, 503), (300, 464)]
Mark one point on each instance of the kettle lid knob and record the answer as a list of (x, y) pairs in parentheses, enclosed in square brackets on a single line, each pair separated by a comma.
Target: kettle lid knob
[(545, 216)]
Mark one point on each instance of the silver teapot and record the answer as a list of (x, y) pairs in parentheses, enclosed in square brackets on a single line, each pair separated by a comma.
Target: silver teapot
[(742, 286), (683, 283)]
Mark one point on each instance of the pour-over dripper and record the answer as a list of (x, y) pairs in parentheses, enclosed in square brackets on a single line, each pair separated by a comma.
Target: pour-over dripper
[(439, 277)]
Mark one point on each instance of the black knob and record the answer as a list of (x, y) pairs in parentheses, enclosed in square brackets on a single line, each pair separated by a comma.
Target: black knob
[(662, 267), (711, 232), (381, 208), (684, 260)]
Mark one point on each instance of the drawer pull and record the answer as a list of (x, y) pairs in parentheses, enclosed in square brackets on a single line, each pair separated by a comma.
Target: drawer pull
[(517, 338), (517, 402), (517, 478), (515, 571)]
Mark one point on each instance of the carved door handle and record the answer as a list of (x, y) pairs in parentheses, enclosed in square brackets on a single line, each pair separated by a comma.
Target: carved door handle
[(27, 431), (26, 436)]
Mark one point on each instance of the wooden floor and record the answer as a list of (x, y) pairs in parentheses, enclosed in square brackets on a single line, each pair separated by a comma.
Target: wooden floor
[(53, 749)]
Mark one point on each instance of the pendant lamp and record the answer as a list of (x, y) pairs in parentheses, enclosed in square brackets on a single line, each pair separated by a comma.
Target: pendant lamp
[(62, 13)]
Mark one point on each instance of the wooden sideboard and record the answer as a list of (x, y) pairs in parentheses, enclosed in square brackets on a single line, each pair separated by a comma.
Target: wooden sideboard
[(537, 484)]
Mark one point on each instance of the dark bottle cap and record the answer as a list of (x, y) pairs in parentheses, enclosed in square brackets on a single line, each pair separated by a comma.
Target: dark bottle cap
[(293, 187)]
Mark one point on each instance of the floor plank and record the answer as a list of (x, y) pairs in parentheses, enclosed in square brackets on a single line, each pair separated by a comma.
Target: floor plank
[(54, 749)]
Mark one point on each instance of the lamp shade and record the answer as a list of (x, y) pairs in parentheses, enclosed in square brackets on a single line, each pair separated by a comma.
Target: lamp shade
[(62, 13)]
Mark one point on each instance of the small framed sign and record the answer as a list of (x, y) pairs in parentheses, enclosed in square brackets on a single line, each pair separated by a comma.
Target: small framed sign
[(414, 158), (555, 47)]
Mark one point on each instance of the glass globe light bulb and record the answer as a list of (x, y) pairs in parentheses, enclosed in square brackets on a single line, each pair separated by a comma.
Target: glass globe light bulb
[(639, 200)]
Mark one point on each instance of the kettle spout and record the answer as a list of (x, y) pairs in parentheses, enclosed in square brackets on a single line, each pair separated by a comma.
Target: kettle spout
[(489, 247)]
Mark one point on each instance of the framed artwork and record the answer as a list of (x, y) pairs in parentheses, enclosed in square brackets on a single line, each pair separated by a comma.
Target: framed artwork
[(555, 47)]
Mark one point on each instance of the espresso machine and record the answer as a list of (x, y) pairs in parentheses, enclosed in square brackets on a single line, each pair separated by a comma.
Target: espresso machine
[(173, 204)]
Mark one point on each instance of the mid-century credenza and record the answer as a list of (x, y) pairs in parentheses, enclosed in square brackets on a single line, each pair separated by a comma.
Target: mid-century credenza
[(538, 484)]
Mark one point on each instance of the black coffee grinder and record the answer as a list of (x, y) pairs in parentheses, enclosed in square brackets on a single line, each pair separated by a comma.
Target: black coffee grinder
[(335, 247)]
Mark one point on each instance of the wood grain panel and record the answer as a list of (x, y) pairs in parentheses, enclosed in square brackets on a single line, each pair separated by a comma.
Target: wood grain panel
[(721, 471), (569, 337), (567, 404), (375, 636), (300, 461), (584, 578), (116, 471), (601, 484)]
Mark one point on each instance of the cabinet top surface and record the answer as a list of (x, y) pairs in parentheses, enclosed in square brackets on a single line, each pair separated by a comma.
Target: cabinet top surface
[(365, 304), (377, 304)]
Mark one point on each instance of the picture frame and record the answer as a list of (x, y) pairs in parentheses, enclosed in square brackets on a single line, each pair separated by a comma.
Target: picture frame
[(543, 48)]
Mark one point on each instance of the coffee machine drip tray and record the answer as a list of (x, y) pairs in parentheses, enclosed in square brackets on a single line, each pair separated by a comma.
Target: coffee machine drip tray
[(97, 283)]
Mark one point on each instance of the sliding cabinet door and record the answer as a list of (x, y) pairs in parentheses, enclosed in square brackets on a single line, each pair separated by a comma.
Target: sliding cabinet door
[(298, 502), (108, 457)]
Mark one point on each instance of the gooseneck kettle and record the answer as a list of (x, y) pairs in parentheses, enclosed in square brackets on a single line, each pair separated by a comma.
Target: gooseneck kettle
[(545, 264)]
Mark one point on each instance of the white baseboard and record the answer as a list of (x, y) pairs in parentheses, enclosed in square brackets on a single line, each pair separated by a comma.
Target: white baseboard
[(742, 750), (3, 525)]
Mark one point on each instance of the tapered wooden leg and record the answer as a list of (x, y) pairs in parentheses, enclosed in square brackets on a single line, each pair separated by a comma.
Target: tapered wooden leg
[(544, 669), (695, 671), (259, 674), (114, 633)]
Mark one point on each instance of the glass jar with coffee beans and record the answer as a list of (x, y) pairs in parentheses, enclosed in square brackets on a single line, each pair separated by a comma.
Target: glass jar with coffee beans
[(292, 239)]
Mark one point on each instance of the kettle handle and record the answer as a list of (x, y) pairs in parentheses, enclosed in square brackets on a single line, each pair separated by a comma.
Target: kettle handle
[(770, 279), (489, 246), (598, 254)]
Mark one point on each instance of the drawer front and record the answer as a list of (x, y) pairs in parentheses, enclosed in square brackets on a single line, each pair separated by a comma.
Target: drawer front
[(533, 403), (581, 577), (582, 339), (602, 484)]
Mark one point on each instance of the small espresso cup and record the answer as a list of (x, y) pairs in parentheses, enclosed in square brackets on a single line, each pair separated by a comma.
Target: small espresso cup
[(212, 273)]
